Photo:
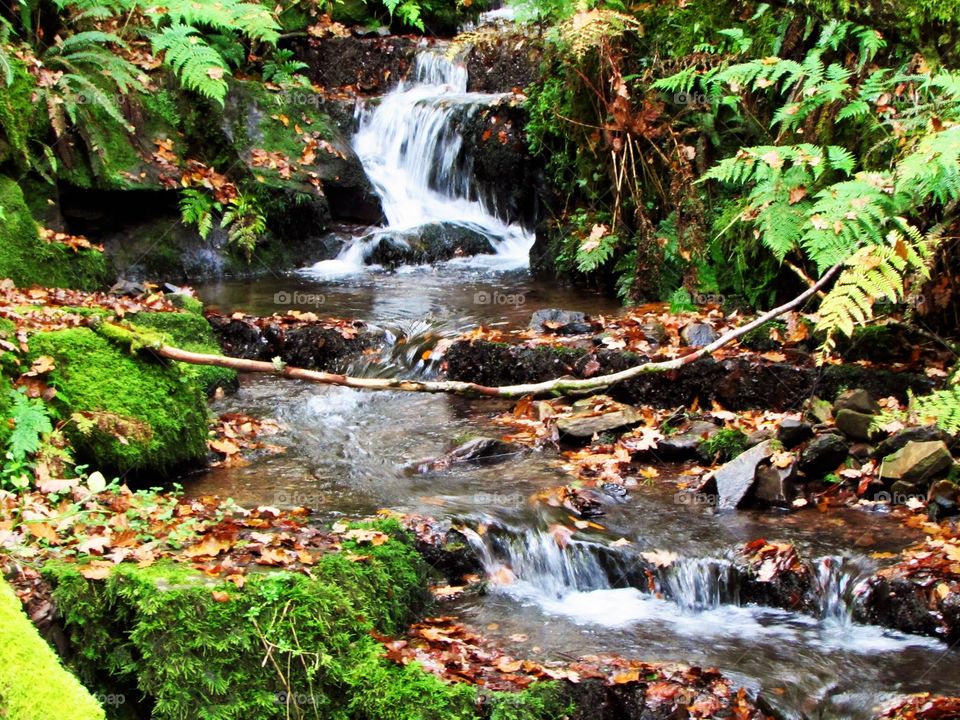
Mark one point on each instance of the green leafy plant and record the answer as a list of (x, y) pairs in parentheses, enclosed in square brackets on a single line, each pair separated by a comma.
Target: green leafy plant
[(197, 208), (31, 426), (281, 68), (245, 223)]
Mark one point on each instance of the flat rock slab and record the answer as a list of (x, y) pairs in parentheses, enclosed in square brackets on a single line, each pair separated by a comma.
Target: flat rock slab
[(917, 462)]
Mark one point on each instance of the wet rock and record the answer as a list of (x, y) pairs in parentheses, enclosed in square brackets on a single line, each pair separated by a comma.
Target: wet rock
[(856, 425), (446, 550), (698, 334), (903, 602), (923, 433), (858, 400), (758, 436), (775, 575), (481, 451), (861, 452), (823, 455), (654, 332), (319, 345), (431, 243), (917, 462), (683, 444), (943, 498), (732, 481), (774, 486), (502, 62), (581, 426), (555, 319), (615, 491), (793, 432)]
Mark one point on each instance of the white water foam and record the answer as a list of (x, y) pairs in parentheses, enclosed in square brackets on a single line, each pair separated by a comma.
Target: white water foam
[(410, 147)]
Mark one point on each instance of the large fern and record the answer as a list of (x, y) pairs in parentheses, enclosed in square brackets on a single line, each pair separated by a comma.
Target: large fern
[(198, 66)]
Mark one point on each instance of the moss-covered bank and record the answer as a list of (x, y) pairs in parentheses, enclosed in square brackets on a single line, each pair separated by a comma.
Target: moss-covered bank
[(29, 260), (177, 644), (33, 683), (128, 413)]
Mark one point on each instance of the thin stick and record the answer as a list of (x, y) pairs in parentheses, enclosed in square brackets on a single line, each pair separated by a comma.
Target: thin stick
[(456, 387)]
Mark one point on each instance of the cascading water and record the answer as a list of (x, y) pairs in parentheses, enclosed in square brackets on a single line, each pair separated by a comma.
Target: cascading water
[(411, 148)]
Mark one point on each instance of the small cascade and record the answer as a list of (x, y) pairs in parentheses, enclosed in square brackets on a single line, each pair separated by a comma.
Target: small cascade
[(411, 148), (536, 558), (697, 584), (837, 582)]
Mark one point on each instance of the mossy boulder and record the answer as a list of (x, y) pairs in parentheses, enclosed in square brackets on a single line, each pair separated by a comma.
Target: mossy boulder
[(140, 415), (33, 683), (189, 331), (285, 645), (28, 260)]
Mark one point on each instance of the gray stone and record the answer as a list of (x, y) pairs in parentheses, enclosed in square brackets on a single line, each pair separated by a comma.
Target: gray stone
[(923, 433), (697, 334), (430, 243), (683, 445), (736, 478), (775, 486), (858, 400), (818, 410), (583, 424), (945, 495), (856, 425), (823, 455), (551, 319), (654, 332), (793, 432), (917, 462), (759, 436)]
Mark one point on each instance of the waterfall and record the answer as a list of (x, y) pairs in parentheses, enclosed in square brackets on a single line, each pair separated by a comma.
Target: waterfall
[(837, 582), (697, 584), (411, 148)]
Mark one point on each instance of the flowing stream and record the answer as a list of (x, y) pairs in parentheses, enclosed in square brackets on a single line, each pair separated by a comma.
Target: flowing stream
[(350, 453)]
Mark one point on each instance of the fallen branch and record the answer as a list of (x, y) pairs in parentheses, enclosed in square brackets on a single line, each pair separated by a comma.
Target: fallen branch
[(559, 386)]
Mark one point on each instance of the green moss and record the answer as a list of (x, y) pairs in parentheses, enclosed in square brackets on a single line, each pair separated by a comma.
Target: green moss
[(33, 684), (160, 411), (186, 302), (28, 260), (189, 331), (724, 445), (759, 338), (17, 110), (158, 631)]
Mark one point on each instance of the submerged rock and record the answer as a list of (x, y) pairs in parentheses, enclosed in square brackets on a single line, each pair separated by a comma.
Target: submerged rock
[(561, 322), (427, 244), (484, 451)]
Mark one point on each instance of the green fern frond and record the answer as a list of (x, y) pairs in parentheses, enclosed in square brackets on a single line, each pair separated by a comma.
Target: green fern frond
[(941, 406), (198, 66), (873, 273)]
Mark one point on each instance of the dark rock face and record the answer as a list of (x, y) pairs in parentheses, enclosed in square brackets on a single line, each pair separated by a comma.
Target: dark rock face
[(856, 425), (774, 486), (428, 244), (508, 178), (312, 345), (503, 63), (736, 383), (858, 400), (374, 65)]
